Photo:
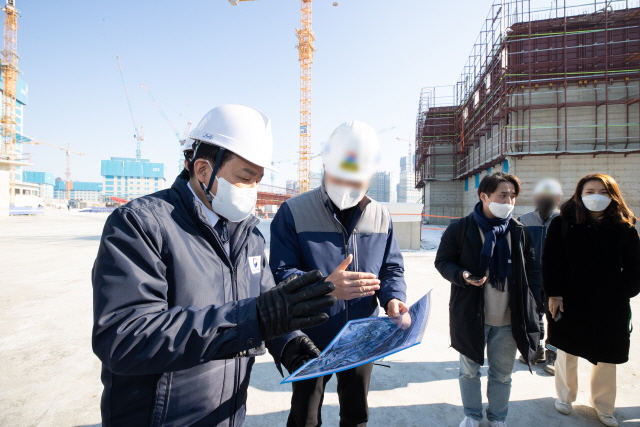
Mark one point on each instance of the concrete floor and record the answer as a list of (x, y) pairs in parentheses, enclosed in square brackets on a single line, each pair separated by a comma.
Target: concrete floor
[(50, 377)]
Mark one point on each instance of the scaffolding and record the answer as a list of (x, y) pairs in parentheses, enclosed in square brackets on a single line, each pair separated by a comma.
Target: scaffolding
[(556, 80), (435, 135), (9, 67)]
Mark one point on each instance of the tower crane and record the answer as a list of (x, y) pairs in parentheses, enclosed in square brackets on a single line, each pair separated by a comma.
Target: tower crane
[(306, 50), (185, 134), (68, 185), (385, 130), (139, 135), (10, 75), (182, 139)]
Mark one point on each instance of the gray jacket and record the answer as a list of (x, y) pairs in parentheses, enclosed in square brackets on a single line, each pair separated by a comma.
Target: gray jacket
[(306, 235)]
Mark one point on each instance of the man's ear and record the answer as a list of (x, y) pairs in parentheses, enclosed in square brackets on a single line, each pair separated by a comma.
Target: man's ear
[(200, 168)]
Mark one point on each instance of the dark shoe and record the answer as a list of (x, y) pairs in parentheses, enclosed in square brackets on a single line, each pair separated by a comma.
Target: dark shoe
[(539, 357), (550, 367)]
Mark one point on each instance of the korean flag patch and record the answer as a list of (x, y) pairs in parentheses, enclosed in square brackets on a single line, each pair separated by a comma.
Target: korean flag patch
[(254, 264)]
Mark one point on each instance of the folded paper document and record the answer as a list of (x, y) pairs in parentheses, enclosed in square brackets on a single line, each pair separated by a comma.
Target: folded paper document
[(365, 340)]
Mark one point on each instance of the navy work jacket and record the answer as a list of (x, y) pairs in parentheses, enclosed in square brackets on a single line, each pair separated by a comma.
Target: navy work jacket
[(175, 321)]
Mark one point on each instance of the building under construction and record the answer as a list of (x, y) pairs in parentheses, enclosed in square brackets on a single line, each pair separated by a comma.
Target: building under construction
[(546, 92)]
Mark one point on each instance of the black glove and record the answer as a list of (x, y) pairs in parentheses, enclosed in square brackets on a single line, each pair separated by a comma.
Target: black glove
[(289, 307), (297, 352)]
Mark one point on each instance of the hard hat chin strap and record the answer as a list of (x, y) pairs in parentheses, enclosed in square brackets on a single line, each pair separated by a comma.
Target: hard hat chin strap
[(214, 171)]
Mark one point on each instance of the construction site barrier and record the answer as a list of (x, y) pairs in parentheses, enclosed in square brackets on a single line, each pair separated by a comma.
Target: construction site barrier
[(25, 210), (97, 209), (434, 216)]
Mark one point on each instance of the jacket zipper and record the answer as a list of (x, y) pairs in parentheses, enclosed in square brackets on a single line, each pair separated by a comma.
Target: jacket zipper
[(522, 288), (234, 292), (236, 384), (345, 241)]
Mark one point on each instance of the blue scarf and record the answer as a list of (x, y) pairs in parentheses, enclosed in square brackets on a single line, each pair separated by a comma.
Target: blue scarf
[(495, 254)]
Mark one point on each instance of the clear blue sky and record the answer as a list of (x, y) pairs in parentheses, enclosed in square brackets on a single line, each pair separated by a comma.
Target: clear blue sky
[(372, 58)]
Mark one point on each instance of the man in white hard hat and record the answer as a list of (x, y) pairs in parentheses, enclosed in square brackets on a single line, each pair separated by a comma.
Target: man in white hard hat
[(349, 237), (547, 195), (183, 297), (187, 152)]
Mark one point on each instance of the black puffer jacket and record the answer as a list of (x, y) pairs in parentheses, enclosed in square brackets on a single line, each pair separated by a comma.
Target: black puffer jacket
[(595, 268), (466, 304), (175, 321)]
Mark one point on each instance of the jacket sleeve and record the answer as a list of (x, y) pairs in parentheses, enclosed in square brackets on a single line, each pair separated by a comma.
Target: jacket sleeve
[(276, 345), (554, 262), (285, 256), (391, 276), (135, 332), (447, 257), (631, 265), (532, 267)]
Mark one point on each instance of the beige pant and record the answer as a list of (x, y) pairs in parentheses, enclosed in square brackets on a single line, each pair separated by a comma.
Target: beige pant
[(603, 382)]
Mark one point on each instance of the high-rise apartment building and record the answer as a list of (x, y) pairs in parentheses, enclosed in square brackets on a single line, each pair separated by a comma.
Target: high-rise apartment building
[(379, 189), (407, 192), (128, 178)]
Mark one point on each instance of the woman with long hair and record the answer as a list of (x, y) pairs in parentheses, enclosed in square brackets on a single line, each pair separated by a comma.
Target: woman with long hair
[(590, 270)]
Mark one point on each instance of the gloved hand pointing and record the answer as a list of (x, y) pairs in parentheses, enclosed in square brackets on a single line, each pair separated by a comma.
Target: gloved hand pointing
[(289, 307)]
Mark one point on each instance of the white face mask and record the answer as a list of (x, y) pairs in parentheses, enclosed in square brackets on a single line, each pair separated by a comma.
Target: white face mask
[(501, 210), (343, 196), (596, 202), (231, 202)]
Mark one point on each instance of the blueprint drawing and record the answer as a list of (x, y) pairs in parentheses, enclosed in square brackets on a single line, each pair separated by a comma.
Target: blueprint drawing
[(365, 340)]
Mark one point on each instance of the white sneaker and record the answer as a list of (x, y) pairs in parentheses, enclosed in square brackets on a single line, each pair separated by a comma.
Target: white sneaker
[(498, 424), (469, 422), (563, 407), (607, 419)]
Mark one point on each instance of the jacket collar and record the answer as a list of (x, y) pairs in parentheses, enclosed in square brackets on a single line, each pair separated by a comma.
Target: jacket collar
[(242, 228), (473, 234), (514, 223), (552, 215), (362, 204)]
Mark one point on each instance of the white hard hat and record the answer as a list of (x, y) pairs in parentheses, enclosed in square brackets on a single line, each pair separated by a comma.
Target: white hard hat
[(549, 187), (240, 129), (351, 153), (187, 144)]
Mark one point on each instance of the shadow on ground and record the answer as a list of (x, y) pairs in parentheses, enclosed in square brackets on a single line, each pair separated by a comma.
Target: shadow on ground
[(525, 413), (537, 369), (439, 414), (90, 238), (265, 376)]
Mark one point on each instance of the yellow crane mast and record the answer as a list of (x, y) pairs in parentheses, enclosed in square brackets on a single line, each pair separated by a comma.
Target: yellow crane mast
[(306, 37), (10, 75)]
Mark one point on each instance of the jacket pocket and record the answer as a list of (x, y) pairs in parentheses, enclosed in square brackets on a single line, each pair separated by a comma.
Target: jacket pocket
[(161, 400)]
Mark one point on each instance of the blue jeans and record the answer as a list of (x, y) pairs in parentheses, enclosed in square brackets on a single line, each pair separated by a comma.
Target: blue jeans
[(501, 356)]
